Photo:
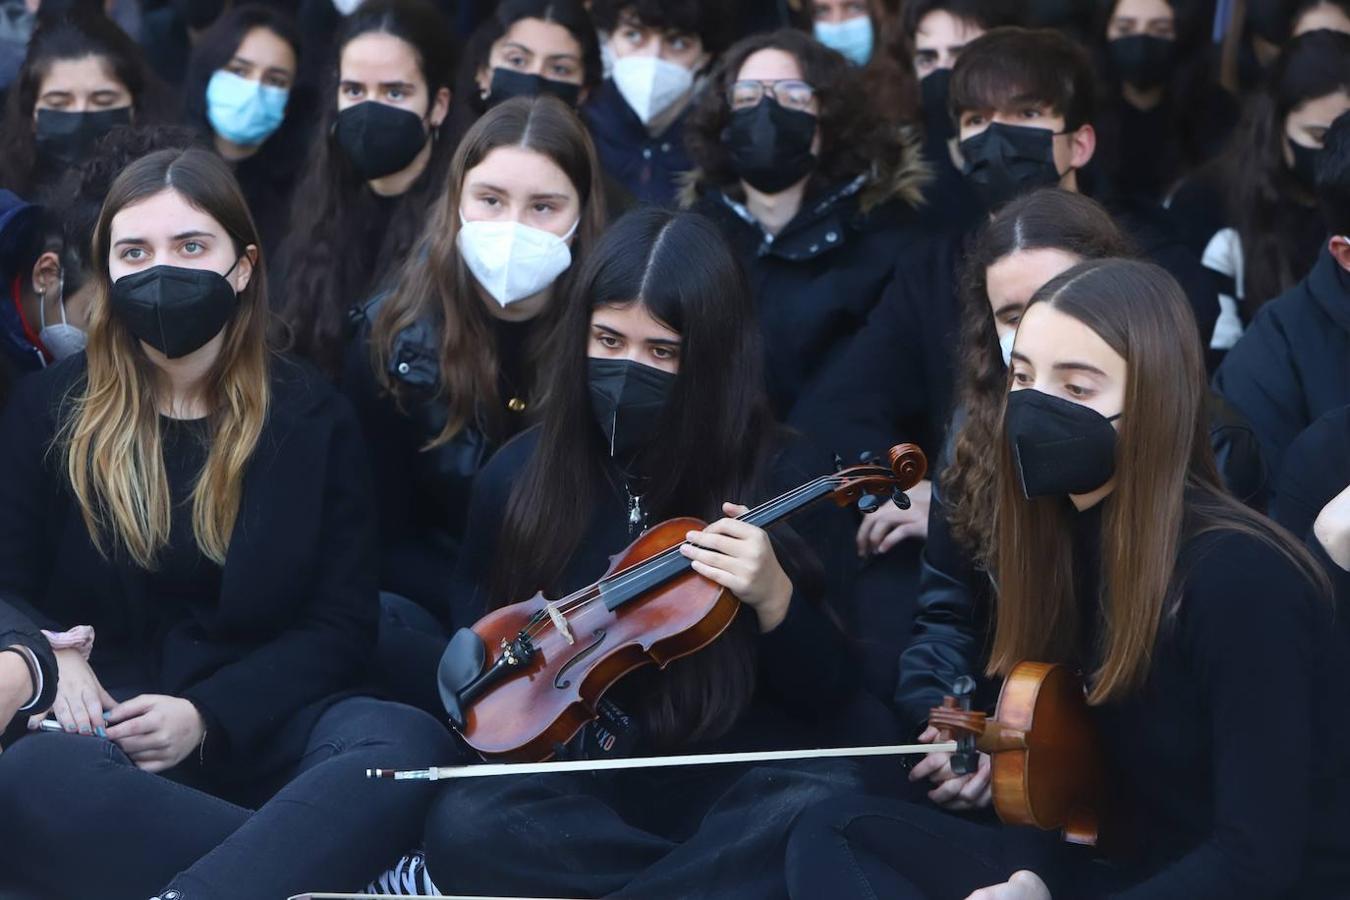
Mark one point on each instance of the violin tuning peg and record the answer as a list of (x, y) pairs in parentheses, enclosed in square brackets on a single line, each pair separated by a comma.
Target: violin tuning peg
[(963, 687), (868, 504), (838, 463), (900, 499), (867, 457)]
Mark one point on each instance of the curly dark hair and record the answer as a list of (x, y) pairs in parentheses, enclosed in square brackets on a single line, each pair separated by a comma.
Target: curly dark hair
[(1046, 219), (855, 137)]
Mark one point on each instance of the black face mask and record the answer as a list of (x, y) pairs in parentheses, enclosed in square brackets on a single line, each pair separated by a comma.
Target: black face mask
[(172, 309), (1142, 60), (628, 400), (935, 88), (770, 145), (1060, 447), (1003, 162), (507, 83), (1305, 165), (67, 137), (379, 139)]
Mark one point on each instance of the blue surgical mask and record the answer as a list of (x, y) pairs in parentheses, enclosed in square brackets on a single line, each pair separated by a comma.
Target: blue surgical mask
[(244, 112), (852, 37)]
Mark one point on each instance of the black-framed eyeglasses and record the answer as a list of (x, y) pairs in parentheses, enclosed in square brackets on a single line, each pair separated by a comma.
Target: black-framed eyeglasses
[(790, 93)]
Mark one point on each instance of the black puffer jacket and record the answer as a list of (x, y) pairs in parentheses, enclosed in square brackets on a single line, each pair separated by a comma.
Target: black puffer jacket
[(423, 494)]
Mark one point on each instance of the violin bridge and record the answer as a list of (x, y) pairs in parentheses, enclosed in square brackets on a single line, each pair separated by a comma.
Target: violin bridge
[(559, 622)]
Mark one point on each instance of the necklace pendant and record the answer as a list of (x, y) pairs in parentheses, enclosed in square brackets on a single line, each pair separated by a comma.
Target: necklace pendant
[(636, 517), (515, 404)]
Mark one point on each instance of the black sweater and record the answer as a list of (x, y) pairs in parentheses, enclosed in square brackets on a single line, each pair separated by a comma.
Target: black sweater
[(293, 619), (1243, 660), (804, 673)]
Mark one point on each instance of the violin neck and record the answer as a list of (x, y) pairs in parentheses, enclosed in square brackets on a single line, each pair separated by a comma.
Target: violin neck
[(634, 581)]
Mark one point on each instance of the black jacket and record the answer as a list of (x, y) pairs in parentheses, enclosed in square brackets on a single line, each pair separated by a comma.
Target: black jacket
[(1316, 470), (422, 495), (17, 630), (295, 619), (648, 167), (816, 281), (1293, 363)]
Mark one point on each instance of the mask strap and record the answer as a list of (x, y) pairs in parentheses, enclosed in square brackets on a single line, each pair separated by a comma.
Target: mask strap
[(1116, 416), (573, 230)]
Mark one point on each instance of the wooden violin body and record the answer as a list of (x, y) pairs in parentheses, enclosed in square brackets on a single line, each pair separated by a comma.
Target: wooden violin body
[(527, 677), (545, 703), (1048, 765)]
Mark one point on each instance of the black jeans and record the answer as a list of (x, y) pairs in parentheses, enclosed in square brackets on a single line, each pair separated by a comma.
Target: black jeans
[(693, 833), (79, 820), (408, 654), (867, 847)]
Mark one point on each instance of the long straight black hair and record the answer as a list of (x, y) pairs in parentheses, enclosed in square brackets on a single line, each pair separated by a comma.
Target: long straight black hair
[(329, 261), (715, 444)]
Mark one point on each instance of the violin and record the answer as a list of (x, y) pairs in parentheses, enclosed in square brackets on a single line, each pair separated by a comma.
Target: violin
[(527, 677), (1048, 768)]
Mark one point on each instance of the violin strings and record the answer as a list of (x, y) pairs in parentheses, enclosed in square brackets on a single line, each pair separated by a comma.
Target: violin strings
[(573, 602)]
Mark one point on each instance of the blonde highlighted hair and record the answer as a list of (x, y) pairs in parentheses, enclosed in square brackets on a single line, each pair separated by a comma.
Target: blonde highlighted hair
[(110, 435)]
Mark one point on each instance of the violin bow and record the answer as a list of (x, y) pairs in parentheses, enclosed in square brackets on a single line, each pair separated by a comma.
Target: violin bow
[(489, 770)]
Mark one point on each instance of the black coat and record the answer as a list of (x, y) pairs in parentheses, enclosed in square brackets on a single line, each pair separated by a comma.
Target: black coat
[(1293, 363), (17, 630), (647, 166), (816, 281), (1316, 469), (295, 619)]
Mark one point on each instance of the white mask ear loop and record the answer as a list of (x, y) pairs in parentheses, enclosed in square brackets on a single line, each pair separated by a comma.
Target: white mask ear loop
[(60, 302)]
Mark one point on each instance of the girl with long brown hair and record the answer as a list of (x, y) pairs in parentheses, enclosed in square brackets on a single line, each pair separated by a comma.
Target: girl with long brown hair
[(1202, 630), (188, 515), (446, 366)]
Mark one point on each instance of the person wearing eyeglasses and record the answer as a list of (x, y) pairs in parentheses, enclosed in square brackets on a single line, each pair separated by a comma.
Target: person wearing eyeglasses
[(814, 192)]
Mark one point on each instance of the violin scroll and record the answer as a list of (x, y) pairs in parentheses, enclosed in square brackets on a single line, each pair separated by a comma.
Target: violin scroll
[(909, 465), (867, 483)]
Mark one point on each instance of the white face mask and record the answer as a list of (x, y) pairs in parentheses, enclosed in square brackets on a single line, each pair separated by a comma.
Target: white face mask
[(513, 261), (1005, 344), (61, 339), (651, 85)]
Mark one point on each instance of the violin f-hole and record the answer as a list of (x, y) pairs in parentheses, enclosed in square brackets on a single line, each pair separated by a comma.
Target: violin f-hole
[(561, 681)]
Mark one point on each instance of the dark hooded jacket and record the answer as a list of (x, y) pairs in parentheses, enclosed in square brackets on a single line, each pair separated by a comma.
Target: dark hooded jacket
[(649, 167), (1293, 364)]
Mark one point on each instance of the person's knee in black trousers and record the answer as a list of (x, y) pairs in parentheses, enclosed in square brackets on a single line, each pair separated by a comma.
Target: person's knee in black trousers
[(408, 653)]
